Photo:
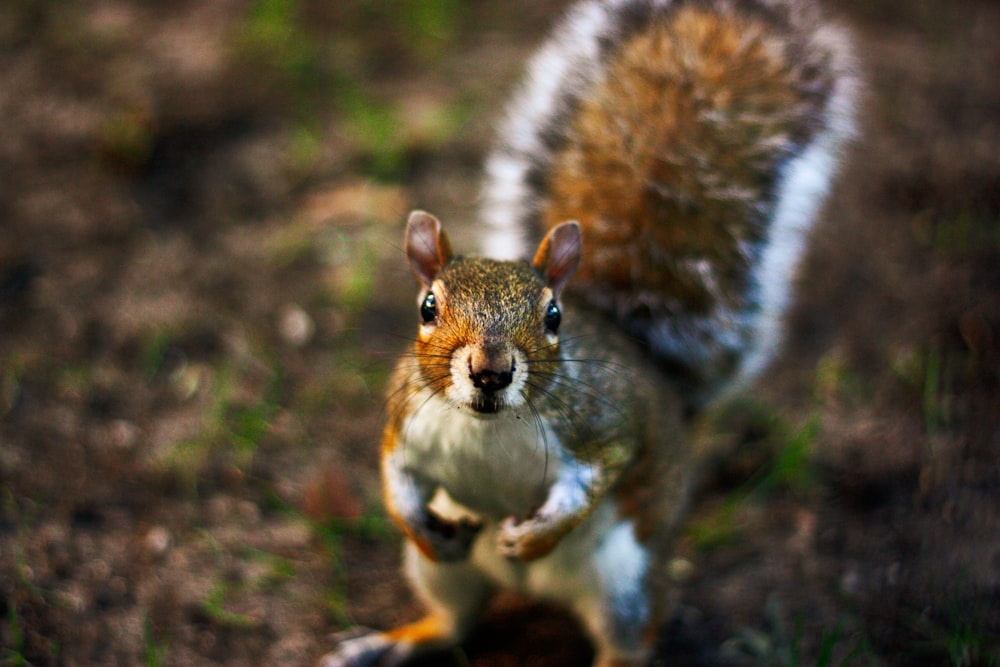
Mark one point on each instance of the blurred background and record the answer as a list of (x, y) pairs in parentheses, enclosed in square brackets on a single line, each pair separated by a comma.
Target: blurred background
[(202, 292)]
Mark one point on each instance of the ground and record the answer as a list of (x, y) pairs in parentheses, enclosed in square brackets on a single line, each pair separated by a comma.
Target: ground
[(202, 292)]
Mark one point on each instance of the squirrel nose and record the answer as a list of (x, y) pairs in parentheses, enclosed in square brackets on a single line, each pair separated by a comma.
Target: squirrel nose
[(490, 369)]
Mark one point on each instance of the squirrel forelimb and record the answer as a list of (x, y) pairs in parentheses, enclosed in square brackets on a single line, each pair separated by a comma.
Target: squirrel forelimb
[(570, 501), (408, 499)]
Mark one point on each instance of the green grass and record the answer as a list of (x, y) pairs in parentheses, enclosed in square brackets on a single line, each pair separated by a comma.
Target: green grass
[(213, 606), (928, 372), (274, 33), (783, 646), (350, 257), (317, 75), (127, 138), (836, 382), (26, 593), (279, 569), (333, 600), (422, 28), (388, 134), (959, 644), (154, 649), (958, 635), (788, 469), (13, 655), (239, 404), (331, 534), (433, 24), (959, 233), (11, 372), (792, 467)]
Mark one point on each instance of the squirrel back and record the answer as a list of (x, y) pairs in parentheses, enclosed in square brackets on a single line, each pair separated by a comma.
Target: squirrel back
[(694, 141)]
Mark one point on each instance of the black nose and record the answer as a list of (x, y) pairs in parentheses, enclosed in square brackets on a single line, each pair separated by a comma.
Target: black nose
[(491, 369), (491, 381)]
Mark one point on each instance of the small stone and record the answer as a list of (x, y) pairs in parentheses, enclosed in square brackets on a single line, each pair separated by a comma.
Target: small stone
[(296, 326), (680, 570), (124, 434), (187, 379), (157, 541), (850, 582), (249, 512)]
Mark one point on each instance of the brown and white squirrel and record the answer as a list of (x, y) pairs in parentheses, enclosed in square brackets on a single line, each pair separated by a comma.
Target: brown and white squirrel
[(671, 155)]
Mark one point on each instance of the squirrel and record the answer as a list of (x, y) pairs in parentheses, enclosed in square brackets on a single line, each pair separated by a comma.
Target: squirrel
[(672, 156)]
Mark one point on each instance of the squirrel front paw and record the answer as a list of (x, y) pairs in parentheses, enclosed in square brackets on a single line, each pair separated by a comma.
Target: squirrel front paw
[(450, 541), (527, 540)]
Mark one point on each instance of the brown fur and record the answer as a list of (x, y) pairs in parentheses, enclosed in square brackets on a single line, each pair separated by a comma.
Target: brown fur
[(666, 159)]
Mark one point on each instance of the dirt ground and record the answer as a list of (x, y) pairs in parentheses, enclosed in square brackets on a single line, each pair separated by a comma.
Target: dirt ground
[(202, 293)]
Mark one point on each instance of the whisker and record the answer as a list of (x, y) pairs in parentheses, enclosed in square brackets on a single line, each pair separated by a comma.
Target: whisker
[(544, 437), (426, 343), (570, 416), (564, 340), (416, 385), (565, 409), (601, 363), (434, 393), (582, 387)]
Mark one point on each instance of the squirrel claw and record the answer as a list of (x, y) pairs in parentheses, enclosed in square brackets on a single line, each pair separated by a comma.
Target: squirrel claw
[(525, 540), (507, 538)]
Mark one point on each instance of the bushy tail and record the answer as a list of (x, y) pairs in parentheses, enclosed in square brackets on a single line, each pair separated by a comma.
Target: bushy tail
[(695, 143)]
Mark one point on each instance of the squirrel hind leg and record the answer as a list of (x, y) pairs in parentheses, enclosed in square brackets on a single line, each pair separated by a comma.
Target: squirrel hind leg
[(360, 648), (394, 647), (389, 649), (454, 594), (617, 600)]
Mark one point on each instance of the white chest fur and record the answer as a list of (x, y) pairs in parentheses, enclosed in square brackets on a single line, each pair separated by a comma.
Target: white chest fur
[(495, 466)]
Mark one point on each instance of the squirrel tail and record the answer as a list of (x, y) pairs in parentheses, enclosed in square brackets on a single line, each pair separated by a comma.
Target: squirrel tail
[(695, 142)]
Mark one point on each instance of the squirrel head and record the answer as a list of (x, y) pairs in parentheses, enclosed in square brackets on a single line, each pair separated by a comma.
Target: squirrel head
[(488, 333)]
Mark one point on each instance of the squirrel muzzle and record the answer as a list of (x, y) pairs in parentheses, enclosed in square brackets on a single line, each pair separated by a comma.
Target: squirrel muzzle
[(491, 369), (491, 372)]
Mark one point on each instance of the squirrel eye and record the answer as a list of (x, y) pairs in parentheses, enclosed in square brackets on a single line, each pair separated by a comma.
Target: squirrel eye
[(553, 316), (428, 309)]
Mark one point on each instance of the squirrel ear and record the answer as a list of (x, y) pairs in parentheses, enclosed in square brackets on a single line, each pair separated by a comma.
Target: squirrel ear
[(427, 246), (559, 254)]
